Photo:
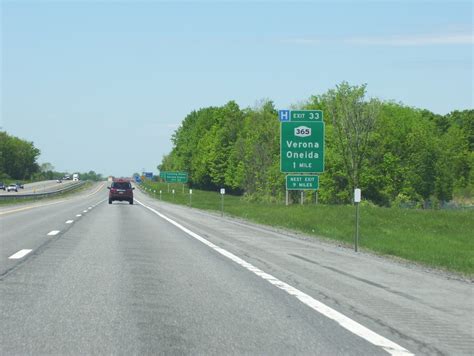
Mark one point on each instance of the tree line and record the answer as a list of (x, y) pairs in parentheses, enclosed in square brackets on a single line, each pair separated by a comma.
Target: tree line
[(18, 161), (396, 154), (17, 158), (47, 172)]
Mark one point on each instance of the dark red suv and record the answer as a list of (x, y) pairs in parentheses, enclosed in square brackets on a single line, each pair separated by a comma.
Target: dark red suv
[(121, 190)]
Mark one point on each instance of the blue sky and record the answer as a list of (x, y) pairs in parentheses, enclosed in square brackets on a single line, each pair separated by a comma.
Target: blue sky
[(103, 85)]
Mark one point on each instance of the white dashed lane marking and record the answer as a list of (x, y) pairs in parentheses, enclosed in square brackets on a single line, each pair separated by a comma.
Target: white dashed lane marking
[(24, 252), (20, 254)]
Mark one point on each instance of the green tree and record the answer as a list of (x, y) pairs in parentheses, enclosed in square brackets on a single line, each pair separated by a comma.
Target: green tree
[(353, 118), (254, 166), (17, 157), (392, 152)]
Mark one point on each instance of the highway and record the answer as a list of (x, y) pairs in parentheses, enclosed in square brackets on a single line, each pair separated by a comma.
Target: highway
[(39, 187), (80, 276)]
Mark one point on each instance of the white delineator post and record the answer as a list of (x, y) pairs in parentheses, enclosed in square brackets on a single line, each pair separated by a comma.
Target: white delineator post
[(357, 198), (222, 201)]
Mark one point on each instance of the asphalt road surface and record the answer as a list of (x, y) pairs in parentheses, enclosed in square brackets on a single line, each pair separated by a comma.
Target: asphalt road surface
[(40, 187), (80, 276)]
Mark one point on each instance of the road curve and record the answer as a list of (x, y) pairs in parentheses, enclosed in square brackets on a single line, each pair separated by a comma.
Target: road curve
[(39, 187)]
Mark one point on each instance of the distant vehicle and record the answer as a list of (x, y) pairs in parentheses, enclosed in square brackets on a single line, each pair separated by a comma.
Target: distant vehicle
[(121, 190), (11, 187), (2, 186), (75, 177), (19, 185), (59, 180), (66, 177)]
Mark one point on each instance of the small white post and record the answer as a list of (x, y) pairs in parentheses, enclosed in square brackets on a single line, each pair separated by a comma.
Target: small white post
[(357, 198), (222, 201)]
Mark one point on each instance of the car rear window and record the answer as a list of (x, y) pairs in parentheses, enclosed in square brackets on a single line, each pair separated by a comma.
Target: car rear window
[(121, 185)]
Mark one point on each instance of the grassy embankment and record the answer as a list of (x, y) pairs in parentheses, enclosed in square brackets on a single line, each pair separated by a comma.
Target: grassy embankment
[(436, 238)]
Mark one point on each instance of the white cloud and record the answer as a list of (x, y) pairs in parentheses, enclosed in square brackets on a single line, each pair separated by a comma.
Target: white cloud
[(406, 40), (416, 40)]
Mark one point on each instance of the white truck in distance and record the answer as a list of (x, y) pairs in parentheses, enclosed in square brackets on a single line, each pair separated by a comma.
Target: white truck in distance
[(75, 177)]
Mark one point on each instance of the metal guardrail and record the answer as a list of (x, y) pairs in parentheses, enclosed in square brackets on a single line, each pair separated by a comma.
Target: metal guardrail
[(44, 194)]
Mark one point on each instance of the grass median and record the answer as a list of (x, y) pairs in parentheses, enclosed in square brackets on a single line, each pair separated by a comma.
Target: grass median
[(436, 238)]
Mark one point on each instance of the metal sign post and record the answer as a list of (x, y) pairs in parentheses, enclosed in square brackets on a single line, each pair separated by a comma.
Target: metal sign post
[(286, 198), (190, 196), (160, 195), (222, 201), (357, 198), (302, 183), (173, 194)]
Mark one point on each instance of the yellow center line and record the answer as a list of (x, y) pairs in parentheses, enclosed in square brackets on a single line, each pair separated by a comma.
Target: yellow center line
[(42, 205)]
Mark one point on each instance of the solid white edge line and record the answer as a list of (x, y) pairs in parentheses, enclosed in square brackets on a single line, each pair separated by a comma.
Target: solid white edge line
[(20, 254), (344, 321), (69, 221), (53, 233)]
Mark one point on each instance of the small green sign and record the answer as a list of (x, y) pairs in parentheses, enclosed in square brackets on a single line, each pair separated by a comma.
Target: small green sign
[(302, 182), (306, 115), (174, 177)]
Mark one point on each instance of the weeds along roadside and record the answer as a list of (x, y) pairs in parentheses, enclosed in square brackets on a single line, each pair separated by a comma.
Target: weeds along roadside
[(435, 238)]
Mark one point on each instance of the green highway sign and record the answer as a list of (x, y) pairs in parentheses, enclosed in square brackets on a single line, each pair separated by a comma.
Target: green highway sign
[(174, 177), (306, 115), (302, 147), (294, 182)]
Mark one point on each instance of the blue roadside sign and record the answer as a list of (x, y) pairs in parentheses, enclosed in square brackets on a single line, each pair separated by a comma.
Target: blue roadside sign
[(284, 115)]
